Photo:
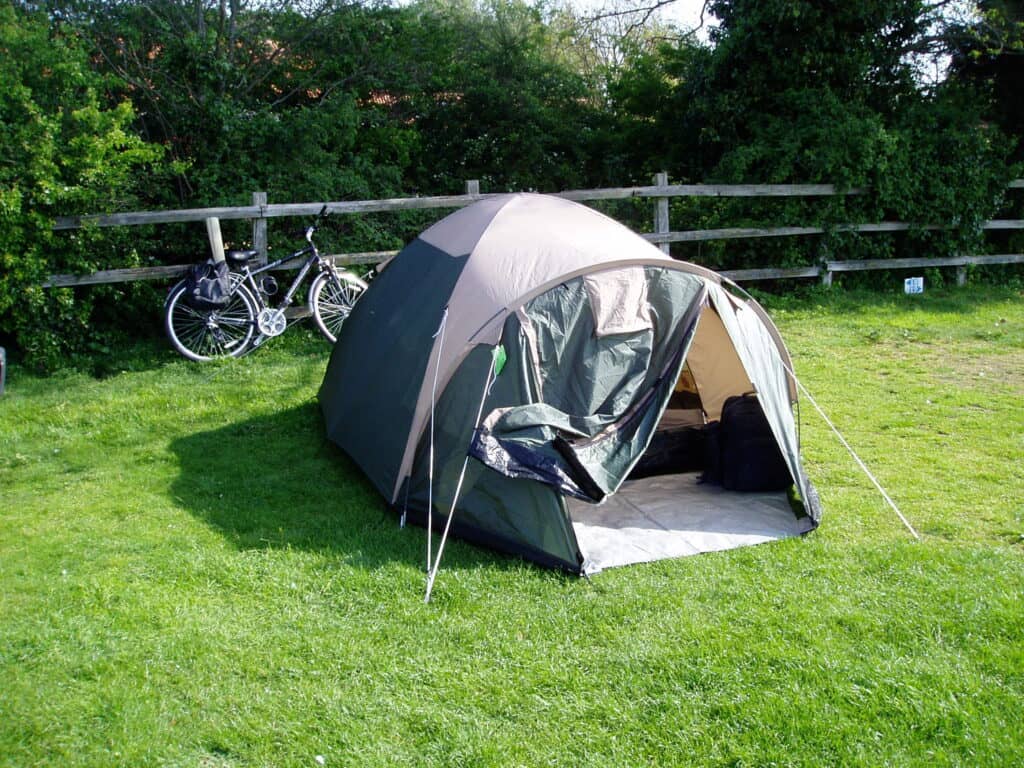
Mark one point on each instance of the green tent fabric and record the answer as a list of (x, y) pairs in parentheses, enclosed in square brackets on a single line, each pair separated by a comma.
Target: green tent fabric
[(601, 402), (568, 335), (522, 516), (378, 337)]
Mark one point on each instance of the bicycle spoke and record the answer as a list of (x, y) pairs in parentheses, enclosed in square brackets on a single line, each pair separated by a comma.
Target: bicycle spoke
[(236, 321), (195, 337), (331, 307), (188, 311), (192, 335)]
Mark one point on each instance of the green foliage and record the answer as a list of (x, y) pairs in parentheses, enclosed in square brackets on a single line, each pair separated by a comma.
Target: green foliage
[(116, 104), (495, 101), (806, 92), (656, 125), (943, 166), (244, 97), (61, 152), (988, 54)]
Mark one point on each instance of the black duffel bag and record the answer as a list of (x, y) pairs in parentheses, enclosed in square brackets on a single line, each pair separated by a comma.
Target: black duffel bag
[(207, 285), (671, 451), (750, 457), (712, 453)]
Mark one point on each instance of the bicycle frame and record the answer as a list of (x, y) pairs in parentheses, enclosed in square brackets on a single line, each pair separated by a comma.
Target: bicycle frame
[(250, 274), (249, 278)]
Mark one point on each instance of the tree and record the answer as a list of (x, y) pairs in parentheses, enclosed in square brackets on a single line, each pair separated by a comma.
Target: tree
[(988, 55), (799, 91), (244, 94), (61, 152), (497, 100)]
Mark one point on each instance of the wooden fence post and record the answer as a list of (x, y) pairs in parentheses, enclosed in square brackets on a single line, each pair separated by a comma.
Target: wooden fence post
[(216, 238), (473, 187), (826, 274), (661, 225), (259, 228), (961, 275)]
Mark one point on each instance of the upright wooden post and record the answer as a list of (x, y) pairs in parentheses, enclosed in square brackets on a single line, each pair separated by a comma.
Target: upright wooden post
[(259, 228), (826, 275), (473, 187), (215, 238), (961, 275), (661, 225)]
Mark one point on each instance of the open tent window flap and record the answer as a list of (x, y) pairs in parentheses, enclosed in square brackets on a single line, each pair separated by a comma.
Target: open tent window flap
[(601, 385), (634, 402)]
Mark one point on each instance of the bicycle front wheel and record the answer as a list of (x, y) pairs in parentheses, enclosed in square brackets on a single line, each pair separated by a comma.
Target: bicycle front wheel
[(332, 296), (202, 335)]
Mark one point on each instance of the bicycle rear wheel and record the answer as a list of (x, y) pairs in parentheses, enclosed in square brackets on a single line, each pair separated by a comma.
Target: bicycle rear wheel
[(202, 335), (331, 297)]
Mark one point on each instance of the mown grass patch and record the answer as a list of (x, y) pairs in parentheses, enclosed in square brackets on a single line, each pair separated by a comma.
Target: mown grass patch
[(190, 575)]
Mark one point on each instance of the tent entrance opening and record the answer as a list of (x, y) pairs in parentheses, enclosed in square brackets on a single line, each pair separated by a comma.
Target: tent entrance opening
[(663, 510)]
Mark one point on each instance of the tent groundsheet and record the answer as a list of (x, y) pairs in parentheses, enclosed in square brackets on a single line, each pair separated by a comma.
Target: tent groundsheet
[(671, 516)]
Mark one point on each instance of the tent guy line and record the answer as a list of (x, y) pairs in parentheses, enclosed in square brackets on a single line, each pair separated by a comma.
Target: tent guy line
[(838, 434), (853, 453)]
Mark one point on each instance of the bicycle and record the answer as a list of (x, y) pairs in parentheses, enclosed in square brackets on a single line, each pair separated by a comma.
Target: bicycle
[(247, 321)]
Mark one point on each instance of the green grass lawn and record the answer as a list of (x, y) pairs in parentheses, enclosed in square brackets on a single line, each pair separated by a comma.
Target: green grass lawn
[(191, 576)]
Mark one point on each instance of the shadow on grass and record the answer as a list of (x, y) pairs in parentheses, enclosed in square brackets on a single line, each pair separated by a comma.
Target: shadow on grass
[(275, 481)]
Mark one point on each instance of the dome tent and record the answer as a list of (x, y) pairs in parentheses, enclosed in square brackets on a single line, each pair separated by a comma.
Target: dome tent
[(512, 366)]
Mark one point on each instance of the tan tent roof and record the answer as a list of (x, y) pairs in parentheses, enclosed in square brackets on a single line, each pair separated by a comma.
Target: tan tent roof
[(518, 245), (515, 243)]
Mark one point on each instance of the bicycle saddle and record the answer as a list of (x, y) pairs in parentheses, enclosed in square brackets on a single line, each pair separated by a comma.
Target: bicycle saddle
[(238, 258)]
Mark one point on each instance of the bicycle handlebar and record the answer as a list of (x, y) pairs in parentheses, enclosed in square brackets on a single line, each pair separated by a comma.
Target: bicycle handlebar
[(315, 225)]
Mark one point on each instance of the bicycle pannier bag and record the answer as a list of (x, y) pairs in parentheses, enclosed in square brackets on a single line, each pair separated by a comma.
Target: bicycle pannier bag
[(750, 458), (207, 285)]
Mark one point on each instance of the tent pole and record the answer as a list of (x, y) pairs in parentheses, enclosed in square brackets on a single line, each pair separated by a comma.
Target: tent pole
[(433, 402), (405, 504), (458, 487)]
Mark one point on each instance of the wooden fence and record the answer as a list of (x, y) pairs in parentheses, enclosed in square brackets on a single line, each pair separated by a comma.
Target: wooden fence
[(662, 235)]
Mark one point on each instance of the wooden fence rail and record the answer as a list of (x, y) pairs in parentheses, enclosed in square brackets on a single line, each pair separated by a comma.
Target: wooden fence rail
[(661, 192), (262, 210)]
